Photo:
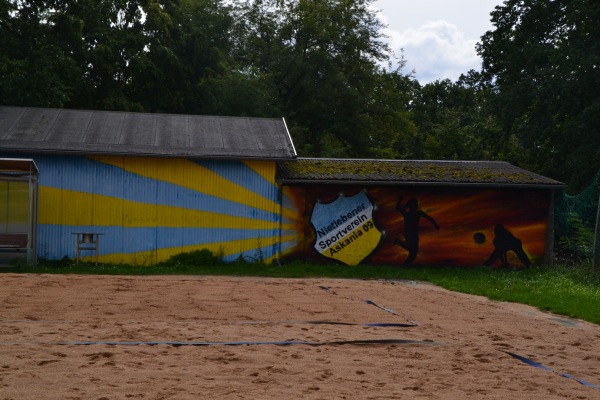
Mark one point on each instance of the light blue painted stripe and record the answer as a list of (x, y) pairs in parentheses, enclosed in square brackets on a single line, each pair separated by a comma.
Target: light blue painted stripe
[(287, 201), (289, 232), (76, 172), (285, 246), (115, 239), (287, 221), (244, 176)]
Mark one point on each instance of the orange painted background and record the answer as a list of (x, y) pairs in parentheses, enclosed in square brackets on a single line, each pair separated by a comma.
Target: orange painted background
[(459, 212)]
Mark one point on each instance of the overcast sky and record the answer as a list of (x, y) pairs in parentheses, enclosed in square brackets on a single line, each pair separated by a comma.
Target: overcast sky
[(438, 36)]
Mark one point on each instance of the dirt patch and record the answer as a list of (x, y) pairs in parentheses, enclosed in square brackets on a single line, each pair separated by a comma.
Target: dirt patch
[(105, 337)]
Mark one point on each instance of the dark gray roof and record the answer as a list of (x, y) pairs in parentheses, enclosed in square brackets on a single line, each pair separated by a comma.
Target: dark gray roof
[(35, 130), (392, 172)]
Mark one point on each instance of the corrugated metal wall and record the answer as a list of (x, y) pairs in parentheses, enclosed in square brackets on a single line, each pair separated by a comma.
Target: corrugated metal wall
[(149, 209)]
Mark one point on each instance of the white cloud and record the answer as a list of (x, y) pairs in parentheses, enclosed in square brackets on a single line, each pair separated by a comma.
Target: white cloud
[(436, 50)]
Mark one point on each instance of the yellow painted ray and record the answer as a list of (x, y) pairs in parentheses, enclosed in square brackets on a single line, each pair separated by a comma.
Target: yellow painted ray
[(266, 169), (290, 214), (292, 239), (188, 174), (78, 208), (288, 226)]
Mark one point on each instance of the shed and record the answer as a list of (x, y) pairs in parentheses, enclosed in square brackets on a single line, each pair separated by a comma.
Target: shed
[(405, 212), (151, 185), (18, 207)]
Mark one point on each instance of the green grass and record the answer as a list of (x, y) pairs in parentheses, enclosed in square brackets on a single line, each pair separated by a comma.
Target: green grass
[(572, 291)]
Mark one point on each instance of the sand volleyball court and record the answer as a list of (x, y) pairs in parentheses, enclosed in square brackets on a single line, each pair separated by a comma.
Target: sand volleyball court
[(194, 337)]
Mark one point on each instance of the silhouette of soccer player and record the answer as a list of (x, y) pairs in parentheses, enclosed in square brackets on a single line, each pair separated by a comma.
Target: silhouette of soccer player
[(504, 241), (412, 215)]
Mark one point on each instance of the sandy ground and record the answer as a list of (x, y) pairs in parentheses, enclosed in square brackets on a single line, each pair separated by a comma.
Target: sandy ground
[(89, 337)]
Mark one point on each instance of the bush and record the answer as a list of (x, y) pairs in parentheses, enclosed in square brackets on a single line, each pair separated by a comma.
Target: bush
[(196, 257), (577, 243)]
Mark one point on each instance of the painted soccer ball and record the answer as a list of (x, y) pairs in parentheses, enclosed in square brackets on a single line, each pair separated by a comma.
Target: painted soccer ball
[(479, 238)]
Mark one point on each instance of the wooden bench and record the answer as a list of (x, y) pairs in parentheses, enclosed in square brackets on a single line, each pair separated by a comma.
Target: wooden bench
[(13, 241)]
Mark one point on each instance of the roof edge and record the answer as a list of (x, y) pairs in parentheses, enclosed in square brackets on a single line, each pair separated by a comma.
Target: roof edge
[(17, 162), (287, 131), (109, 150), (288, 182)]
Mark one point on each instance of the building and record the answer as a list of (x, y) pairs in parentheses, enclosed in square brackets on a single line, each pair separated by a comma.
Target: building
[(415, 212), (145, 186), (134, 188)]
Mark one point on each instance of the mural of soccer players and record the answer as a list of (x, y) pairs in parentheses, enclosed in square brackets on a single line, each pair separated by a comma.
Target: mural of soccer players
[(412, 217), (504, 241)]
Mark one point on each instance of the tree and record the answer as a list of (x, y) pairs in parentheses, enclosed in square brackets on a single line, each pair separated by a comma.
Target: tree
[(324, 61), (151, 55), (454, 121), (36, 69), (543, 60), (137, 55), (185, 58)]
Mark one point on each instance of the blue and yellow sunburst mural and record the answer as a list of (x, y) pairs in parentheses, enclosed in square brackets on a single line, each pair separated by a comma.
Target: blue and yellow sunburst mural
[(148, 209)]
